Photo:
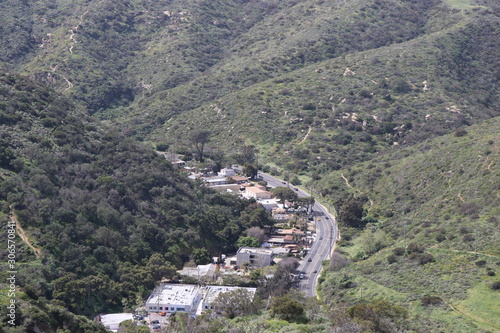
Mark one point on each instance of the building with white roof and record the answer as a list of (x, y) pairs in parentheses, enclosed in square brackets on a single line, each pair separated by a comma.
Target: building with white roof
[(112, 321), (173, 298)]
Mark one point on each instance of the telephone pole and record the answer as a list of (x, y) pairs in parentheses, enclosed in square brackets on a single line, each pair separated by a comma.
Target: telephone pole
[(404, 235)]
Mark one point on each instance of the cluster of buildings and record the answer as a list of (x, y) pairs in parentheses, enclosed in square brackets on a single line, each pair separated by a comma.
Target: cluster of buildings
[(194, 299)]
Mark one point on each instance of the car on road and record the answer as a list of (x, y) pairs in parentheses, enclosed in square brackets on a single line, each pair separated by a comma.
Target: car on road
[(319, 218), (315, 271), (327, 218), (310, 259), (320, 238), (301, 276)]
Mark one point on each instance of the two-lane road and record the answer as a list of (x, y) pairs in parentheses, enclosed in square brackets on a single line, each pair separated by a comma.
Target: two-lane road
[(326, 235)]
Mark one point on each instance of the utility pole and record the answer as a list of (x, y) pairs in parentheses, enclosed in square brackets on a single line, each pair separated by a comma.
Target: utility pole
[(475, 238), (404, 237), (331, 241)]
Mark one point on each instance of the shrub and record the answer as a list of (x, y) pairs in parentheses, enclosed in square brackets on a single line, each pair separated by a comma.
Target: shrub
[(415, 247), (495, 285), (460, 132), (430, 300), (491, 273), (392, 258), (480, 263), (425, 258), (468, 238), (399, 251), (440, 237)]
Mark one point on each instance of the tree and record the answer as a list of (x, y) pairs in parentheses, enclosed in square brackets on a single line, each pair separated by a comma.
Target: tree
[(372, 242), (199, 139), (257, 232), (201, 256), (381, 315), (247, 241), (250, 170), (286, 308), (351, 212), (160, 268), (239, 302), (284, 194), (289, 264), (306, 202), (128, 326)]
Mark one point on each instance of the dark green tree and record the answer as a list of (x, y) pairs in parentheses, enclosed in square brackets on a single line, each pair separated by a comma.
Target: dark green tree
[(286, 308), (199, 139), (250, 170), (247, 241), (285, 194), (351, 212)]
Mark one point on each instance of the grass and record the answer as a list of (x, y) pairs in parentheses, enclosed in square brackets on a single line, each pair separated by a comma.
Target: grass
[(482, 306), (459, 4), (458, 278)]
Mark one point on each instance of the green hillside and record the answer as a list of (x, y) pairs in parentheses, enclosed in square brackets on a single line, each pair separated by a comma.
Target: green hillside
[(386, 110), (106, 217)]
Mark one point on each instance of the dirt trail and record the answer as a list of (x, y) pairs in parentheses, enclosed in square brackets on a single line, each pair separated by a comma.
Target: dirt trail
[(349, 185), (307, 134), (23, 236)]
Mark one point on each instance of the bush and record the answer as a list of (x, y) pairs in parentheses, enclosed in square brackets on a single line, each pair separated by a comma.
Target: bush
[(430, 300), (460, 132), (392, 258), (495, 285), (468, 238), (415, 247), (399, 251), (440, 237), (480, 263), (425, 258)]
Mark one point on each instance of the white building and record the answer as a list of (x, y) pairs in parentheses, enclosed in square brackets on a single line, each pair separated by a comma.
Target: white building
[(258, 257), (173, 298), (257, 193), (226, 173), (112, 321)]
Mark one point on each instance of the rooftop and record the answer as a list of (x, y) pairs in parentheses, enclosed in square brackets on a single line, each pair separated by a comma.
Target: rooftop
[(257, 250), (174, 294)]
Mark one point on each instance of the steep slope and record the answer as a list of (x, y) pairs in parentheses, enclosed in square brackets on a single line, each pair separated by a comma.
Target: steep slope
[(439, 202), (361, 104), (110, 216)]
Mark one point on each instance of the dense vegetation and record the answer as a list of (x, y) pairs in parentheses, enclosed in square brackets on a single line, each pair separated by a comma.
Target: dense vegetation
[(387, 110), (110, 216)]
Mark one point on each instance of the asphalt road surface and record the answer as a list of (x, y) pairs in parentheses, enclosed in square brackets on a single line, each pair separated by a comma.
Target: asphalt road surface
[(326, 235)]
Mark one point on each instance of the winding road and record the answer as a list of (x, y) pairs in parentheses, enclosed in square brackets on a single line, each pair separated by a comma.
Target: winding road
[(323, 245)]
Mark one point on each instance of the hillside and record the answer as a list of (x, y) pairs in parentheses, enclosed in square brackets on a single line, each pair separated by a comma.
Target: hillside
[(439, 199), (386, 110), (107, 217)]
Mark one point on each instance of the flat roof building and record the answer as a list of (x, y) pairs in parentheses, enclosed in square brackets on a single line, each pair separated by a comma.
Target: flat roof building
[(173, 298), (256, 256), (257, 193)]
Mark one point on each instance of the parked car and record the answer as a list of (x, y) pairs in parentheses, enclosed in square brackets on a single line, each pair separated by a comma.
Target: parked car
[(153, 322), (310, 259)]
